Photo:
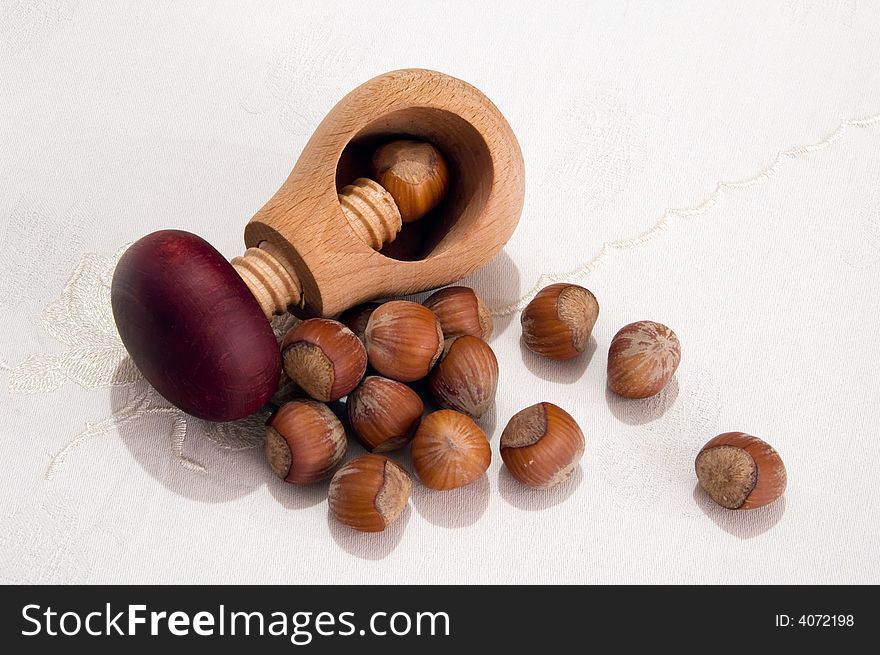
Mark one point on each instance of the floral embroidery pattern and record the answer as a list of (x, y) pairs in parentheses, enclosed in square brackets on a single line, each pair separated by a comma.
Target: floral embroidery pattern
[(650, 464), (675, 214), (36, 220), (297, 84), (599, 147), (38, 545), (94, 357), (81, 319), (25, 23)]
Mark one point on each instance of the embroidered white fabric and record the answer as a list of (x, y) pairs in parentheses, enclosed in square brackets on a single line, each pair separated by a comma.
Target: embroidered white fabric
[(712, 166)]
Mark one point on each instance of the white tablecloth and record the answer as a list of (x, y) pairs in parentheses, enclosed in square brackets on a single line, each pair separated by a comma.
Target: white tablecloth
[(713, 166)]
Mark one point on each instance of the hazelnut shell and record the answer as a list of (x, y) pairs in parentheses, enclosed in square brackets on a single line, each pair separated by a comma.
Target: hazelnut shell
[(304, 441), (642, 358), (414, 173), (466, 377), (369, 493), (558, 321), (383, 413), (355, 318), (740, 471), (449, 450), (542, 445), (323, 358), (460, 311), (403, 340)]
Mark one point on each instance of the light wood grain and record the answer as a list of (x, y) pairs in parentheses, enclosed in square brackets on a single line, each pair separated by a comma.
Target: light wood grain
[(371, 212), (329, 264), (274, 284)]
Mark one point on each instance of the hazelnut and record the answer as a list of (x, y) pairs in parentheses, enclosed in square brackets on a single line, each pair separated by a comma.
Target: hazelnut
[(449, 450), (355, 319), (304, 441), (740, 471), (557, 323), (383, 413), (324, 358), (466, 377), (414, 173), (403, 340), (542, 445), (369, 493), (460, 311), (642, 359)]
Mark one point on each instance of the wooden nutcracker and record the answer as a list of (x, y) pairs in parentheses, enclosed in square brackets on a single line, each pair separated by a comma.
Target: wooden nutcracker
[(332, 236)]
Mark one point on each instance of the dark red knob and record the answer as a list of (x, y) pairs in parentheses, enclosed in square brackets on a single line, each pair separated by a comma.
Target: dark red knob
[(193, 328)]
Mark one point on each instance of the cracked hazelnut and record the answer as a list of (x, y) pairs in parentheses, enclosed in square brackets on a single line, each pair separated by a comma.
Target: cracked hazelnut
[(403, 340), (542, 445), (369, 493), (460, 311), (466, 377), (449, 450), (740, 471), (557, 323), (383, 413), (304, 441), (642, 358), (324, 358)]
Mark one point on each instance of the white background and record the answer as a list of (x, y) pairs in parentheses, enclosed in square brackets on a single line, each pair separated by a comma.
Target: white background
[(120, 119)]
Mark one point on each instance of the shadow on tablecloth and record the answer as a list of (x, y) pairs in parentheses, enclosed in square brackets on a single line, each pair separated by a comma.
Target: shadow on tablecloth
[(744, 524)]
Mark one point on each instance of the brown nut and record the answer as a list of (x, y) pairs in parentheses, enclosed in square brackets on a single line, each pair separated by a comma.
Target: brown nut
[(542, 445), (557, 323), (642, 359), (414, 173), (449, 450), (740, 471), (460, 311), (403, 340), (324, 358), (304, 441), (466, 377), (355, 319), (383, 413), (369, 493)]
